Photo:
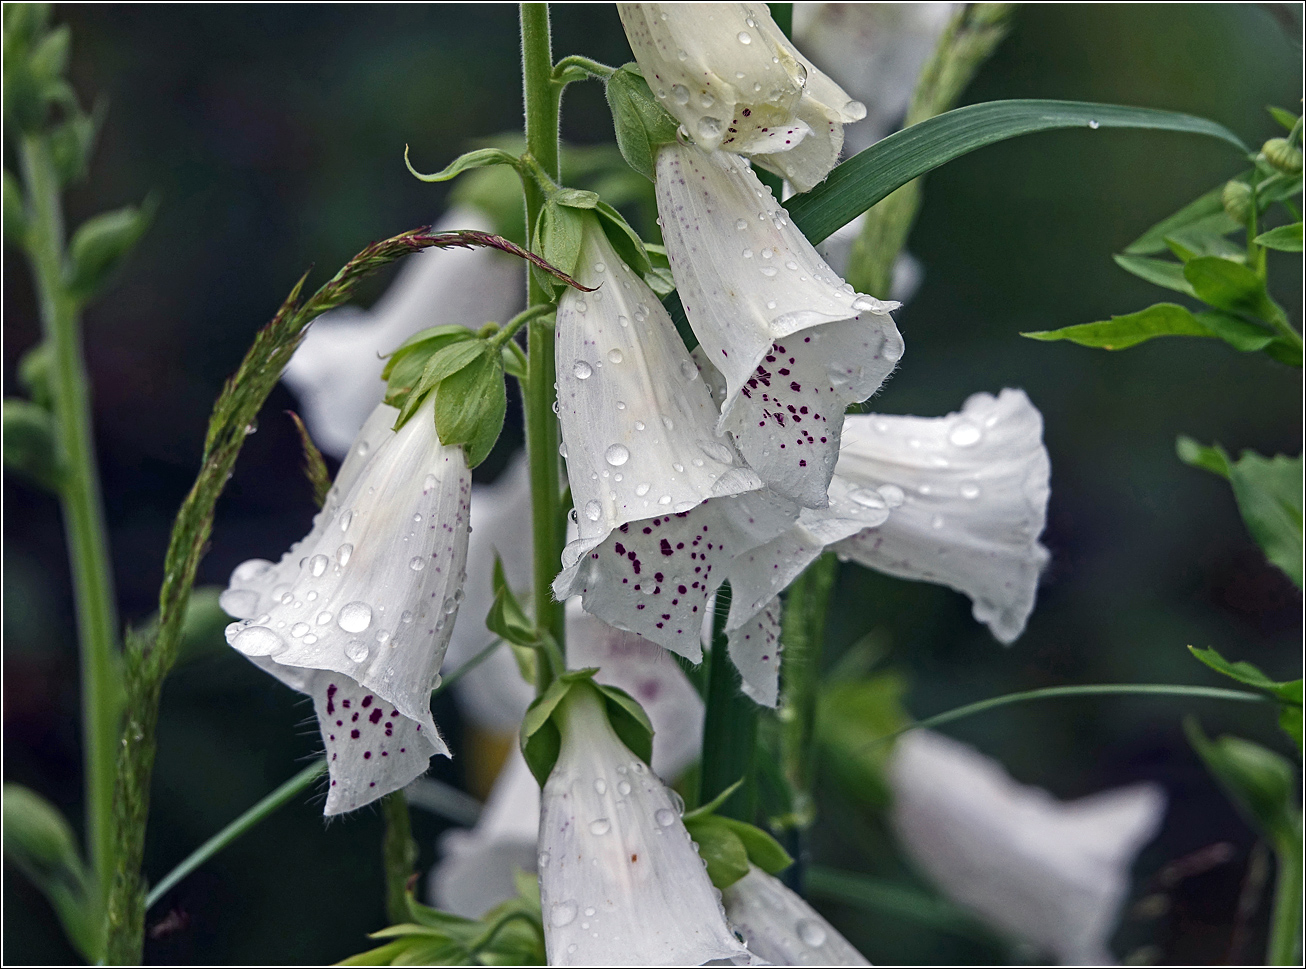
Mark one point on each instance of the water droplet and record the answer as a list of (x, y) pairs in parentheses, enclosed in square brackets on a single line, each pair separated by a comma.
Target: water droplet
[(355, 617), (745, 37), (615, 356), (706, 100), (543, 859), (617, 455), (810, 932), (582, 306), (709, 127), (747, 253), (1094, 124), (892, 495), (664, 500), (345, 520), (970, 491), (417, 563), (766, 253), (600, 267), (639, 425), (299, 629), (241, 603), (791, 264), (589, 913), (417, 518), (936, 521), (864, 303), (593, 510), (680, 93), (318, 564), (665, 817), (769, 271), (562, 449), (562, 913), (382, 636), (258, 641), (600, 788), (741, 225), (623, 788), (668, 423), (406, 616), (343, 553), (623, 321), (965, 434), (641, 489), (571, 949), (866, 497), (680, 468), (582, 370)]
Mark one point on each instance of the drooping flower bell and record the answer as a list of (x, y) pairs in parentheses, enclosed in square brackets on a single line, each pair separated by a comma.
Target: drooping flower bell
[(782, 929), (793, 341), (621, 882), (1053, 874), (729, 75), (358, 614), (663, 503)]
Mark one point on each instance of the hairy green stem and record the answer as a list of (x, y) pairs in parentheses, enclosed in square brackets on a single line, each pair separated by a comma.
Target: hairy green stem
[(79, 495), (399, 855), (548, 525), (591, 67), (729, 728), (1286, 918), (803, 634)]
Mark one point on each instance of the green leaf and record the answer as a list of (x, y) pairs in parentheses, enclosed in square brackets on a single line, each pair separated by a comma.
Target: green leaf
[(1285, 118), (1286, 238), (72, 143), (1259, 781), (869, 176), (720, 847), (642, 125), (34, 374), (480, 158), (506, 618), (1269, 496), (891, 898), (628, 720), (1230, 286), (1289, 692), (1234, 330), (629, 246), (31, 446), (1159, 272), (447, 358), (1290, 722), (1205, 214), (763, 850), (471, 402), (99, 247), (403, 371), (1122, 332), (540, 738), (851, 719), (559, 234), (40, 842), (1213, 459), (15, 211)]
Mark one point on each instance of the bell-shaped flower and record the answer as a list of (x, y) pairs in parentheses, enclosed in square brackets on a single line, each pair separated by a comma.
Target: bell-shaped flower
[(794, 343), (621, 883), (663, 503), (358, 614), (1053, 874), (967, 496), (782, 929), (729, 75), (336, 371)]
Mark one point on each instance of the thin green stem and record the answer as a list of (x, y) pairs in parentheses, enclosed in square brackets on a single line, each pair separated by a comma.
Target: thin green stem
[(488, 936), (1286, 918), (398, 854), (729, 728), (517, 322), (277, 799), (1095, 689), (79, 494), (548, 526)]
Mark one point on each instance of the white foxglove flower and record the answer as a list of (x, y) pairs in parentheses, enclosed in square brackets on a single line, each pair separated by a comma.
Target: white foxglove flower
[(794, 343), (663, 505), (967, 496), (1049, 872), (621, 883), (781, 928), (336, 371), (731, 77), (358, 614)]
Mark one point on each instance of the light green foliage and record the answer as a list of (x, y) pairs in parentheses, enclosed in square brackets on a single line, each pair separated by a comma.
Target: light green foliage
[(1213, 459), (30, 446), (1205, 215), (480, 158), (1163, 319), (470, 405), (853, 720), (1260, 782), (642, 125), (728, 846), (1288, 693), (40, 842), (99, 247), (1286, 238)]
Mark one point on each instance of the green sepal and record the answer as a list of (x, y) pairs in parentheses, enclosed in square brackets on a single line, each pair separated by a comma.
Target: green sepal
[(559, 233), (470, 405), (628, 720), (629, 246), (15, 211), (711, 806), (1230, 286), (642, 125), (1286, 238), (720, 847), (1269, 496), (480, 158), (763, 850), (403, 371), (1260, 782), (575, 198), (506, 618), (1204, 215), (31, 447), (541, 740), (659, 276), (1159, 272), (1212, 458), (1285, 118), (99, 247), (40, 842), (34, 369), (449, 357)]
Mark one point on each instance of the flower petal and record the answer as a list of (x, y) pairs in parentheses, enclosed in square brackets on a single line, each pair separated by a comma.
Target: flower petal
[(1052, 873), (783, 329), (755, 648), (336, 371), (805, 163), (782, 928), (372, 592), (968, 496), (620, 880)]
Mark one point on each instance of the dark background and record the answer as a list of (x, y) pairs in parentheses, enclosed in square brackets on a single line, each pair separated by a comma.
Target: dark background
[(273, 138)]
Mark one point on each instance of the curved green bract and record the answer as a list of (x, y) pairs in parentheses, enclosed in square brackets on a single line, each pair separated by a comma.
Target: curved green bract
[(867, 177)]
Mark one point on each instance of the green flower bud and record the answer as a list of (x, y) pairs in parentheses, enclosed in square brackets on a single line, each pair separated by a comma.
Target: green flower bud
[(1281, 153), (1237, 199)]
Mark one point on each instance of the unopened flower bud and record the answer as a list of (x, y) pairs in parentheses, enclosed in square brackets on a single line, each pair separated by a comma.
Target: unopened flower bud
[(1237, 199), (1280, 153)]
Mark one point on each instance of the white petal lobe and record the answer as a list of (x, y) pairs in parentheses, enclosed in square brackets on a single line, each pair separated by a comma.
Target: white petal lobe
[(755, 650), (781, 928)]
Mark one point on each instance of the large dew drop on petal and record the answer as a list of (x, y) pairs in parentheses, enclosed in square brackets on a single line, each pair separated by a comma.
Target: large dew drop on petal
[(369, 596), (794, 343), (967, 497), (621, 883)]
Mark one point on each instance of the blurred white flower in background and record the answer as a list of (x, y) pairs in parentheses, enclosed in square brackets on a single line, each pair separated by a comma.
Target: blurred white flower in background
[(336, 372), (1053, 874)]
